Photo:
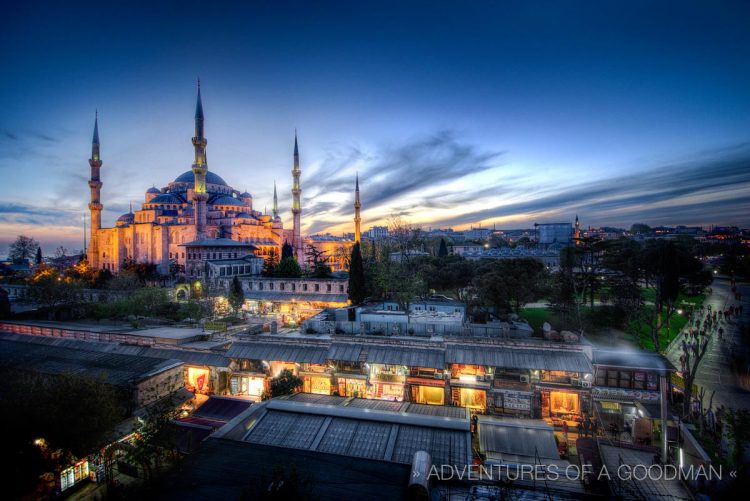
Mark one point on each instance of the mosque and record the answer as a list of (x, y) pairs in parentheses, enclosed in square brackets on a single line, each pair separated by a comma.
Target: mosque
[(198, 215)]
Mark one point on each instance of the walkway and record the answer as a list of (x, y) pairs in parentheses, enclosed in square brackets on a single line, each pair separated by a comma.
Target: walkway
[(714, 372)]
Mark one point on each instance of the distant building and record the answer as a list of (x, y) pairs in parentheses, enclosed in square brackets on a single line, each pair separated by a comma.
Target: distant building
[(377, 232), (561, 233)]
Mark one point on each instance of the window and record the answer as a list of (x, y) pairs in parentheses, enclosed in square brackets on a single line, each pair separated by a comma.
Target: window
[(304, 287), (270, 286), (328, 287), (281, 286), (317, 287), (183, 254), (341, 288), (294, 287), (260, 286)]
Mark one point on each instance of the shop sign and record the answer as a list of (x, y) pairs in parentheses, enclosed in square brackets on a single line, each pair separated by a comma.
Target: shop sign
[(624, 393)]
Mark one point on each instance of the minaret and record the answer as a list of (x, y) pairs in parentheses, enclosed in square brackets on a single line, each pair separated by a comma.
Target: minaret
[(296, 206), (577, 234), (200, 168), (357, 206), (95, 205), (275, 202)]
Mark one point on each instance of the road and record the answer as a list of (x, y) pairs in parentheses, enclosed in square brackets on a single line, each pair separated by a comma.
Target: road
[(714, 371)]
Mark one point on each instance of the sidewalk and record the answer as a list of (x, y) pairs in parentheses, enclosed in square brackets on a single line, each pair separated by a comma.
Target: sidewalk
[(714, 372)]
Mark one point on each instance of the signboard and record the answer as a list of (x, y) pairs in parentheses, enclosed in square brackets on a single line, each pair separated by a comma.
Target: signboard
[(623, 393), (515, 400)]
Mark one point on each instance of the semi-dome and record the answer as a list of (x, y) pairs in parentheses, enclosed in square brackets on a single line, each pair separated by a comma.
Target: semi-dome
[(226, 200), (166, 198), (211, 178)]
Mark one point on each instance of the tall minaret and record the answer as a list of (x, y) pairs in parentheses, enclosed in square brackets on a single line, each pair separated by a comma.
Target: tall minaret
[(577, 234), (95, 205), (200, 168), (275, 202), (357, 206), (296, 206)]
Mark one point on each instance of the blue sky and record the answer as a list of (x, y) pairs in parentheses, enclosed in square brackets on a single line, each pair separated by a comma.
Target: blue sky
[(504, 113)]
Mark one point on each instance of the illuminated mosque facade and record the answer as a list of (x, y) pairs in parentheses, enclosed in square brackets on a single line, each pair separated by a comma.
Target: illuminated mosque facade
[(196, 213)]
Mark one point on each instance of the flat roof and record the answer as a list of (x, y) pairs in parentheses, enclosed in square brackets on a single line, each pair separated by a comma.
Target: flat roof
[(516, 440), (632, 359)]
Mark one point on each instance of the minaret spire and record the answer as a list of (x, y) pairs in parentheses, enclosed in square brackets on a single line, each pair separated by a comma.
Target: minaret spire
[(95, 205), (357, 206), (296, 205), (275, 202), (200, 169)]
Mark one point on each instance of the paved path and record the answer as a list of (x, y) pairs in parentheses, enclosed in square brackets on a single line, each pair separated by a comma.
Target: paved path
[(714, 372)]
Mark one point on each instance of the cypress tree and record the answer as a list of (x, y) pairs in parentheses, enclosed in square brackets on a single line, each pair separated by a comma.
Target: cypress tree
[(443, 251), (357, 291), (38, 255)]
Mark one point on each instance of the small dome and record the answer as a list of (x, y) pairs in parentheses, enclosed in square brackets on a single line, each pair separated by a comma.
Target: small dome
[(226, 200), (153, 189), (166, 198), (244, 215), (126, 218), (246, 195), (211, 178)]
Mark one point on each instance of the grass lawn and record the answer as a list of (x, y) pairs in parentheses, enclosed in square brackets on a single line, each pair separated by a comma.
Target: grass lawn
[(536, 317), (676, 323)]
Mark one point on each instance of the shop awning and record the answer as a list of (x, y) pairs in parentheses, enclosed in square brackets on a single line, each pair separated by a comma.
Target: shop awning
[(492, 356), (516, 440), (411, 357), (279, 352)]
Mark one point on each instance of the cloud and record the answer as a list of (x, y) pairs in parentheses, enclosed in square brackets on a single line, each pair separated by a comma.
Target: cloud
[(698, 191)]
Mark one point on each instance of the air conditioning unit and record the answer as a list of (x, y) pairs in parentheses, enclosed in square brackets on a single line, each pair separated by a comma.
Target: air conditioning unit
[(524, 378), (585, 384), (438, 375)]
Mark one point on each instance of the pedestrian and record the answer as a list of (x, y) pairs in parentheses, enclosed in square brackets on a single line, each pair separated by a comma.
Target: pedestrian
[(721, 333)]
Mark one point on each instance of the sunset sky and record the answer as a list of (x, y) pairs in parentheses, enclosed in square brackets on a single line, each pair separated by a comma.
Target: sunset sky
[(453, 113)]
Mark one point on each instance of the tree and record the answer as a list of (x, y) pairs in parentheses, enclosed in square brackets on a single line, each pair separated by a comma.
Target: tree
[(49, 290), (60, 252), (357, 291), (443, 250), (236, 294), (72, 415), (508, 284), (23, 248), (271, 262), (288, 268), (148, 301), (38, 258), (640, 228), (285, 383), (286, 251), (317, 257), (146, 272)]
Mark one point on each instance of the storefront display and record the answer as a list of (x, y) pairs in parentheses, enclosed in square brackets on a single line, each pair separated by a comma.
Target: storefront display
[(352, 386), (320, 385), (563, 402), (198, 379), (246, 385), (431, 395), (472, 398), (71, 476)]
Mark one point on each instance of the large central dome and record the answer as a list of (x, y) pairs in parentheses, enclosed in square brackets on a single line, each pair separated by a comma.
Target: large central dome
[(211, 178)]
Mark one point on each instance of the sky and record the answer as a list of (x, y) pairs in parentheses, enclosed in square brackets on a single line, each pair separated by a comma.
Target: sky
[(453, 113)]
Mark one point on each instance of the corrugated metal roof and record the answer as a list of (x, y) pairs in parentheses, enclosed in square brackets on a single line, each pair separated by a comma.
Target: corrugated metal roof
[(572, 361), (78, 344), (190, 357), (279, 352), (114, 368), (362, 432), (439, 410), (412, 357), (345, 352)]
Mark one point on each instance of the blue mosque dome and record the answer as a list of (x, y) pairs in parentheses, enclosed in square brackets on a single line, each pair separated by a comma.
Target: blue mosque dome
[(226, 200), (126, 218), (153, 189), (166, 198), (211, 178)]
